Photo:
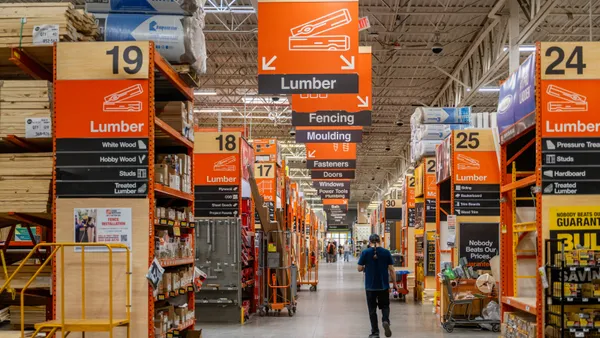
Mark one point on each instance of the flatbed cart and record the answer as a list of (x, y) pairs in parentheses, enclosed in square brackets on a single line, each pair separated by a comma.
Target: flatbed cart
[(281, 280), (402, 281), (449, 321), (309, 264)]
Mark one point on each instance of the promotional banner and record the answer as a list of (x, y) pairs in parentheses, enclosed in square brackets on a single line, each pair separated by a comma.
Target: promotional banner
[(314, 49), (517, 101), (478, 243), (102, 225)]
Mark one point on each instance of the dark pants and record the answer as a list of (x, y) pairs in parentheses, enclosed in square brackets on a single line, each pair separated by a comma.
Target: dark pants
[(379, 299)]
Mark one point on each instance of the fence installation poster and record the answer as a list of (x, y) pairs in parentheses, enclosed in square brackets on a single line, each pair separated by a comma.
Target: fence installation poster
[(102, 225)]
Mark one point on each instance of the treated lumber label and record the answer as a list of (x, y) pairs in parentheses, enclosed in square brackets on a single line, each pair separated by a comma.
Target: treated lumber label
[(102, 189), (102, 60)]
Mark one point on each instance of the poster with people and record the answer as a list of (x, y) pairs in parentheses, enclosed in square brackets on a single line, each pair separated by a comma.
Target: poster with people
[(102, 225)]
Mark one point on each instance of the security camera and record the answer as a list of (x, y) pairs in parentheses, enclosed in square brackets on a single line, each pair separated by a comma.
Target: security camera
[(372, 178), (388, 148), (275, 98), (304, 161), (292, 132), (437, 48), (378, 167), (399, 123)]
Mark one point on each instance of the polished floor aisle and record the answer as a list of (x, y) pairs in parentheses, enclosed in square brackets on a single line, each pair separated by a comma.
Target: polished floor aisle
[(338, 310)]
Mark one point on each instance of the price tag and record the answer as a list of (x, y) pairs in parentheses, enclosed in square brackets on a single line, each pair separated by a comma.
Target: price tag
[(569, 299), (586, 269), (38, 127), (176, 231), (527, 308), (45, 34), (579, 334), (585, 300)]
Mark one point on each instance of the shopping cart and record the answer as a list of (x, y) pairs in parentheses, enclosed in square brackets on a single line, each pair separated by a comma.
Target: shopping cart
[(450, 321), (402, 281)]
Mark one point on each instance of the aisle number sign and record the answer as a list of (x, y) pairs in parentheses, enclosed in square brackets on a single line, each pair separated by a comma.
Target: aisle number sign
[(569, 106), (307, 47), (430, 183), (475, 160), (410, 191), (265, 174), (217, 142), (102, 61)]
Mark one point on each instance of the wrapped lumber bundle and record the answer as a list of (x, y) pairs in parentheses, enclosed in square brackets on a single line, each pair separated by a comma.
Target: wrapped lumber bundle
[(25, 109), (27, 24), (178, 38), (181, 7), (25, 183)]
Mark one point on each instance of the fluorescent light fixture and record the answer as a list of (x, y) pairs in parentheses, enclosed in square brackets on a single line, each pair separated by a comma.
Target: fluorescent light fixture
[(489, 89), (523, 48), (265, 100), (199, 92), (214, 110)]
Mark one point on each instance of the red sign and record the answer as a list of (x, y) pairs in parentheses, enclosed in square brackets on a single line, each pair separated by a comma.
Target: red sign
[(304, 37), (102, 108), (331, 151), (363, 23), (346, 102)]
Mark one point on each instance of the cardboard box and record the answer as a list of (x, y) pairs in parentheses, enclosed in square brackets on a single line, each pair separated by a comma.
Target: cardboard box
[(161, 173)]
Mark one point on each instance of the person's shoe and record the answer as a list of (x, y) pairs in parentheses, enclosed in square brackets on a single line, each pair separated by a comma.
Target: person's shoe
[(386, 328), (374, 335)]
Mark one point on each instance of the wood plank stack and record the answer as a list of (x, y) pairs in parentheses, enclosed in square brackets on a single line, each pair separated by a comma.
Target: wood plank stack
[(74, 25), (33, 315), (43, 280), (177, 114), (25, 182), (4, 314), (20, 101)]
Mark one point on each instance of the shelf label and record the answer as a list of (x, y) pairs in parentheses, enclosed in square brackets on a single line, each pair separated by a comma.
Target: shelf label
[(38, 127), (45, 34), (102, 60)]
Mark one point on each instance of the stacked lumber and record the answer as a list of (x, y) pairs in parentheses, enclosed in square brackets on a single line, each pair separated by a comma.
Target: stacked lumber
[(177, 114), (43, 280), (20, 101), (33, 315), (25, 182), (73, 24), (4, 314)]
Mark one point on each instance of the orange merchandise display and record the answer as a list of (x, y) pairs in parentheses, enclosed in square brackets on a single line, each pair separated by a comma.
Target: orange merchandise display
[(145, 168)]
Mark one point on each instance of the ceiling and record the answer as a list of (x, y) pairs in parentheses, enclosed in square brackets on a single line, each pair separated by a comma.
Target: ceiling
[(406, 73)]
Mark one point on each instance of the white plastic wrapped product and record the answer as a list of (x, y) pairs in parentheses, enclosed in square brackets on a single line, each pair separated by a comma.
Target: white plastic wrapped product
[(180, 7), (494, 120), (486, 120), (179, 39), (434, 131), (445, 115)]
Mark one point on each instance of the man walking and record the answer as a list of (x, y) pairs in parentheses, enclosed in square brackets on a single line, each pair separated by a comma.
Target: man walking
[(330, 253), (378, 265)]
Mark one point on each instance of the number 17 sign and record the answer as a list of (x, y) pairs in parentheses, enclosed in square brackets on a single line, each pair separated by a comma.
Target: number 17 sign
[(307, 47)]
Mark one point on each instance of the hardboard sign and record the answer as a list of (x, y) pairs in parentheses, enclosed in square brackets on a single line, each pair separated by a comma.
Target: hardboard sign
[(475, 160), (102, 109), (328, 135), (430, 183), (314, 49), (577, 226), (331, 151), (517, 101), (332, 174), (569, 127), (478, 243)]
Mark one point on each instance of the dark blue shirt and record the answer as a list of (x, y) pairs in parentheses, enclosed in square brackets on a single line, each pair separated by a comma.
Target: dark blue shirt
[(376, 270)]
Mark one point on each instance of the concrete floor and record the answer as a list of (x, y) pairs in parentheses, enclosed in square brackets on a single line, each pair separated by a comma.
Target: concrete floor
[(338, 309)]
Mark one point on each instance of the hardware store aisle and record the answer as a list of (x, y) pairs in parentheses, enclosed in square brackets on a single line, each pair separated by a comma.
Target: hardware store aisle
[(339, 310)]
